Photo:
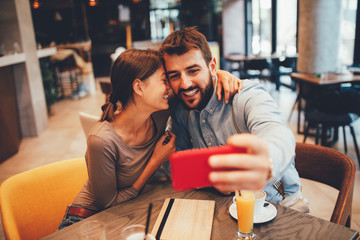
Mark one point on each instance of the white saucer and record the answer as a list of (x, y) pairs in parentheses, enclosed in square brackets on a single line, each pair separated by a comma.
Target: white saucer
[(268, 213)]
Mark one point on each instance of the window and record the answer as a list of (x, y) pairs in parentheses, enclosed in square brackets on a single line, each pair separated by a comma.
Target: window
[(164, 17), (261, 22), (286, 27), (347, 39)]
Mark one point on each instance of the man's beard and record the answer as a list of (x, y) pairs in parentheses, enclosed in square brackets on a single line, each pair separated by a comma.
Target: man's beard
[(205, 96)]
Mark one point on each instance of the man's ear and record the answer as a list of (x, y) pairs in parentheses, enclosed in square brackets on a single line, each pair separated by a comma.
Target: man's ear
[(212, 67), (137, 86)]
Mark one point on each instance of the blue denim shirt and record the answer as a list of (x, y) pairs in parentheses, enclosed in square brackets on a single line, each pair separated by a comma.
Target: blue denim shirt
[(250, 111)]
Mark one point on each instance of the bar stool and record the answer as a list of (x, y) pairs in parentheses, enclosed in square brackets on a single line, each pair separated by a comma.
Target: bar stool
[(327, 125)]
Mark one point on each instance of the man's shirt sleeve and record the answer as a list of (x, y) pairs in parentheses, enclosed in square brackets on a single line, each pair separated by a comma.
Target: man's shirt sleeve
[(257, 113)]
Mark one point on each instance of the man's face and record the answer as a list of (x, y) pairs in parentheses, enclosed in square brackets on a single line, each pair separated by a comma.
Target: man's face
[(191, 78)]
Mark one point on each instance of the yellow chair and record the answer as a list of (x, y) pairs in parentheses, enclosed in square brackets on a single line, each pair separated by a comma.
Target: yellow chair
[(34, 202)]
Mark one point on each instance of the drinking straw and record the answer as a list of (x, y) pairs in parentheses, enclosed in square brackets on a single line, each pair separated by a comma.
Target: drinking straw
[(148, 220), (237, 193)]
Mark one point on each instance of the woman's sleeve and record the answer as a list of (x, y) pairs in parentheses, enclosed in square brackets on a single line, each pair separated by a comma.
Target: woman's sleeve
[(102, 174)]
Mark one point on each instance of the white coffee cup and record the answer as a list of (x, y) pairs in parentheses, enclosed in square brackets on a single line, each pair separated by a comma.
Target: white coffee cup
[(135, 232), (260, 196)]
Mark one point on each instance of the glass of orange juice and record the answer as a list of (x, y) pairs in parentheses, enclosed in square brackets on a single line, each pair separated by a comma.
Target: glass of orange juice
[(245, 203)]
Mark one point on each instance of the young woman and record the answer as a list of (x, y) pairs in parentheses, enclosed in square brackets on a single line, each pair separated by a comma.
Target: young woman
[(126, 147)]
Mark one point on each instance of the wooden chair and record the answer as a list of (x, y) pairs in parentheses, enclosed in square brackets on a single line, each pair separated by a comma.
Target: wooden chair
[(257, 68), (283, 66), (333, 168), (33, 203)]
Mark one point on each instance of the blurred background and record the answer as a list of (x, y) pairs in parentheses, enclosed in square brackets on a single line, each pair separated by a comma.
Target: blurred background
[(56, 56)]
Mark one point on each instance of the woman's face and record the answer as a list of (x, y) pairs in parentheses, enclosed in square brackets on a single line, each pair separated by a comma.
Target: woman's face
[(156, 90)]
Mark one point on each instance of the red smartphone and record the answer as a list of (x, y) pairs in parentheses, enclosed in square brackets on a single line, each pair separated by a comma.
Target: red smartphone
[(190, 168)]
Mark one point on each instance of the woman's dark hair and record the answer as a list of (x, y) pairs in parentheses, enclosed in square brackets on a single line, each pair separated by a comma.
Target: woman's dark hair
[(130, 65)]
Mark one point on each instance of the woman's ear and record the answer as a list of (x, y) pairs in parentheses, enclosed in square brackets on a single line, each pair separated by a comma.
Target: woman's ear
[(137, 86)]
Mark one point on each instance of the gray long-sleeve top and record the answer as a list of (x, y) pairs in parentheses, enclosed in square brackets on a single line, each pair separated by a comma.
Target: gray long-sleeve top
[(113, 166)]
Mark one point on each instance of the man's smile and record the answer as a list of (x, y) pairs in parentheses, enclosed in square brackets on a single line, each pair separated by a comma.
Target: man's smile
[(190, 92)]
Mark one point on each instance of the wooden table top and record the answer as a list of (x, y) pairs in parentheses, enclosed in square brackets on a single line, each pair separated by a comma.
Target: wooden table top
[(288, 224), (240, 57), (326, 79)]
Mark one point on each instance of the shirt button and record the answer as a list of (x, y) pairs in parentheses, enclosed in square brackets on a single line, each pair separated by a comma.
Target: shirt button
[(203, 121), (211, 111), (209, 143)]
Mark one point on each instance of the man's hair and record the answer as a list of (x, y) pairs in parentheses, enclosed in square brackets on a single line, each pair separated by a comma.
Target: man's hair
[(184, 40)]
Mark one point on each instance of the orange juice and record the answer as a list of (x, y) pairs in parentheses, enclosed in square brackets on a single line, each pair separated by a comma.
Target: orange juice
[(245, 211)]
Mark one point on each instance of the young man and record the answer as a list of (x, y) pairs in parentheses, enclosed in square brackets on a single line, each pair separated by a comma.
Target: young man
[(250, 119)]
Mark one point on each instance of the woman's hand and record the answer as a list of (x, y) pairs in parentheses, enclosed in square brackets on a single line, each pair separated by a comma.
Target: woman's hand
[(163, 148), (161, 154), (227, 82)]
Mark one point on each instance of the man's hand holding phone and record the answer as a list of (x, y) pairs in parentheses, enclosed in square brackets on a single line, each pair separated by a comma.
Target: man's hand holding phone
[(242, 164), (249, 171), (190, 168)]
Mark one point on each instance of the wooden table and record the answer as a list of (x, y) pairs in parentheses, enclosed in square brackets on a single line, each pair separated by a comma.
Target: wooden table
[(288, 224), (241, 58), (319, 81), (327, 79)]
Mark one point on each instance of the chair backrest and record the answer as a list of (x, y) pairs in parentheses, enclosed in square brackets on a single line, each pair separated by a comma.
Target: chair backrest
[(257, 64), (333, 168), (33, 203), (287, 62), (87, 122)]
